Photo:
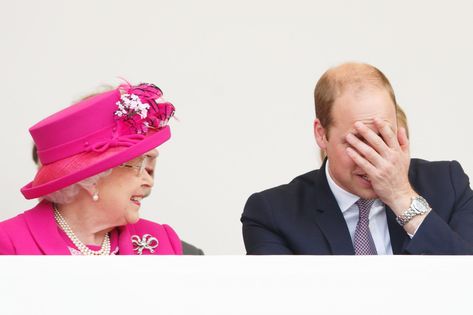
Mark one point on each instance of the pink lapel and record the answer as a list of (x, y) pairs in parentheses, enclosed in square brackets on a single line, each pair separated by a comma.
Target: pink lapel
[(124, 241), (43, 228)]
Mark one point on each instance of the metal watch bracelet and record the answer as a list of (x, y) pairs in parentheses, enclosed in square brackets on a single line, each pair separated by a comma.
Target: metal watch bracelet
[(418, 206)]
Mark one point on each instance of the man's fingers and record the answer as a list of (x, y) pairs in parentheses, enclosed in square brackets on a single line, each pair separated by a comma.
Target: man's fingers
[(364, 149), (360, 161), (402, 138), (373, 139), (387, 132)]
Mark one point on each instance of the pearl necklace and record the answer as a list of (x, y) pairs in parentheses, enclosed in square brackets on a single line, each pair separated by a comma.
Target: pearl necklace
[(105, 250)]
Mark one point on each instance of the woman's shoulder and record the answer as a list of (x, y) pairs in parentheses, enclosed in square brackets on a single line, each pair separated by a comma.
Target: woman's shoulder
[(13, 224), (17, 232), (20, 221), (169, 241), (10, 229)]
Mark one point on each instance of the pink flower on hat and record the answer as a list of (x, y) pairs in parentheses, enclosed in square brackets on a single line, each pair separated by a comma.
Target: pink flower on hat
[(142, 107)]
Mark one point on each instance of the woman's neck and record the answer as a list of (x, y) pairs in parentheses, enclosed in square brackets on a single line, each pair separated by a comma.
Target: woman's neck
[(83, 217)]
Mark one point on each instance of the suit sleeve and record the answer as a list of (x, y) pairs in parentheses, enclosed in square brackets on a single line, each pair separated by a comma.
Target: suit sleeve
[(453, 236), (260, 234)]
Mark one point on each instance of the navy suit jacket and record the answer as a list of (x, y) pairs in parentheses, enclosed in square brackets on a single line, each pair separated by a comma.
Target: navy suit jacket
[(303, 216)]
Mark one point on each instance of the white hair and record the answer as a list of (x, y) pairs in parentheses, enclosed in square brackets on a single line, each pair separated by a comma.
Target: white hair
[(69, 193)]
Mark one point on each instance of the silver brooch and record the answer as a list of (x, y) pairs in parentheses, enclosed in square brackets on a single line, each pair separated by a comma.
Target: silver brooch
[(147, 242)]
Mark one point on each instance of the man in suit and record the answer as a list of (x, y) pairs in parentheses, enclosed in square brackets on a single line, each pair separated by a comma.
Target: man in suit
[(369, 197)]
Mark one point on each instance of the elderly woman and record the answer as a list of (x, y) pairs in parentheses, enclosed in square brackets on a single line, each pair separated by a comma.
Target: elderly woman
[(97, 160)]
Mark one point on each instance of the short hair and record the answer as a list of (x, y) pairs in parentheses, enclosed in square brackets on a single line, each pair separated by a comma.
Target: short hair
[(337, 80)]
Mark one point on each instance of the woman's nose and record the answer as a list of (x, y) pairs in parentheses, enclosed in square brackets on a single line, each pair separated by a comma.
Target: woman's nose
[(148, 178)]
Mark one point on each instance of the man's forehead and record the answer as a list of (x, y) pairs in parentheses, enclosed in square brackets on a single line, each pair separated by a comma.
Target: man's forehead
[(370, 124), (366, 118), (364, 91), (349, 108), (370, 121), (349, 126)]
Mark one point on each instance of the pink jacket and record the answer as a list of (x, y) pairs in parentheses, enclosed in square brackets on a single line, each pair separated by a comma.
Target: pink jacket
[(35, 232)]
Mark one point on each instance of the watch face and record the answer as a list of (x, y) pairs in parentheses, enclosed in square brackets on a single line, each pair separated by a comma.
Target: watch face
[(420, 205)]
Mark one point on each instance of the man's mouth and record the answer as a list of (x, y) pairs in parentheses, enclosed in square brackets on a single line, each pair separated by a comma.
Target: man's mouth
[(365, 180), (365, 177)]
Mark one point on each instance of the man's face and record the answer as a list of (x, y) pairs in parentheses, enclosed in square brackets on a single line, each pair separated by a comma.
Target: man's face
[(348, 108)]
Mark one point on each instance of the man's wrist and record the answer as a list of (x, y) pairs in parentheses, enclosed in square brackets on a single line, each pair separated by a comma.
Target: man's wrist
[(402, 202), (413, 216), (413, 225)]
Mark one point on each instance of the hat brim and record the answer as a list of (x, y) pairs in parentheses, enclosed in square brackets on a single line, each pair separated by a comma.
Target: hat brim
[(129, 153)]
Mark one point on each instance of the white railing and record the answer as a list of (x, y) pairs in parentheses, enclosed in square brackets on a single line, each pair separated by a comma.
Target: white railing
[(236, 285)]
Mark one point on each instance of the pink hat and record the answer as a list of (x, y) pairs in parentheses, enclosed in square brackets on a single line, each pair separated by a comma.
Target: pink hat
[(107, 130)]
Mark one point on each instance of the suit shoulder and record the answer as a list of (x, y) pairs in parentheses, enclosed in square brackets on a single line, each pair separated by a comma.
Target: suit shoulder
[(298, 185), (19, 222), (429, 177), (10, 229), (287, 196), (14, 223), (421, 166), (426, 163)]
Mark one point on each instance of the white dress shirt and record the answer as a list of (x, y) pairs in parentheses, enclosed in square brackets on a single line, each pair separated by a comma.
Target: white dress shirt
[(378, 221)]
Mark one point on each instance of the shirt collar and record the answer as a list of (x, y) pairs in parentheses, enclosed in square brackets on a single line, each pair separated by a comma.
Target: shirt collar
[(344, 198)]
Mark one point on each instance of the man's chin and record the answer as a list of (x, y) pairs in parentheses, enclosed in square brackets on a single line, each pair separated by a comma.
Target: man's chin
[(367, 194), (364, 192)]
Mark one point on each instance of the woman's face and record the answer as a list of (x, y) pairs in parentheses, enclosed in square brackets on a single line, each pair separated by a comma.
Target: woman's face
[(121, 192)]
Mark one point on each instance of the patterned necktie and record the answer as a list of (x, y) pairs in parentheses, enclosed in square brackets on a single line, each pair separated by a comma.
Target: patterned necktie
[(363, 241)]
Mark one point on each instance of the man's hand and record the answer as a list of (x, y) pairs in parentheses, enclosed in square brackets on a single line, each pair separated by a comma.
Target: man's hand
[(385, 159)]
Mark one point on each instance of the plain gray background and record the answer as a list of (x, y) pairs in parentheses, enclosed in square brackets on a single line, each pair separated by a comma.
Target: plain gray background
[(241, 75)]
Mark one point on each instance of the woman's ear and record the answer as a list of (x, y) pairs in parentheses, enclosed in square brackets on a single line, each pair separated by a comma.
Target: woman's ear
[(92, 191)]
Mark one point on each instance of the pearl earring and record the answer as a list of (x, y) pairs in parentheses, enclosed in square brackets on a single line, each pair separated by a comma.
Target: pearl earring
[(95, 196)]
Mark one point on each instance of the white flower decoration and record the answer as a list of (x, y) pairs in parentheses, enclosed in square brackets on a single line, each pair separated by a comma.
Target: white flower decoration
[(130, 104)]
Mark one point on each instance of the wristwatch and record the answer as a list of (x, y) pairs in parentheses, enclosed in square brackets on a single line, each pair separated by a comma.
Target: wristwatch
[(418, 206)]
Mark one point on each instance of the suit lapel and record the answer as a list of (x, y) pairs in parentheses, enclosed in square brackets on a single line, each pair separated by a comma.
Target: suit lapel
[(124, 240), (396, 232), (43, 228), (329, 217)]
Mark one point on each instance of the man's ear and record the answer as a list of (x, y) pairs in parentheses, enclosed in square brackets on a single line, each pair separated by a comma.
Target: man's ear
[(320, 134)]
